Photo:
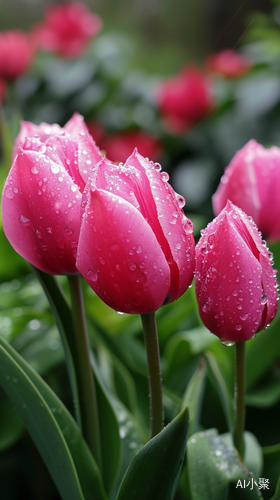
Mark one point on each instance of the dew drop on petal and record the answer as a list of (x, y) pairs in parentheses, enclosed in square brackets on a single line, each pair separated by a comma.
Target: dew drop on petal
[(227, 343), (24, 220)]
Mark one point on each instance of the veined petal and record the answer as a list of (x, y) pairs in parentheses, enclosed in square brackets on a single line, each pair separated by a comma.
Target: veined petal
[(119, 256)]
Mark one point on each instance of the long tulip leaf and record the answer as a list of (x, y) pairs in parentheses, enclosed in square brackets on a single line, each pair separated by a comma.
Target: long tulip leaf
[(154, 472)]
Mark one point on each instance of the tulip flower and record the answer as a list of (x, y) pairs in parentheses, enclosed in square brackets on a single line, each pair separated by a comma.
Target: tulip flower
[(42, 195), (136, 247), (235, 283), (67, 29), (184, 99), (16, 54), (252, 182), (228, 63)]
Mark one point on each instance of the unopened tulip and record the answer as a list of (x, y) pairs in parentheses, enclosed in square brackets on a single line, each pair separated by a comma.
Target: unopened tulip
[(252, 182), (184, 99), (16, 54), (235, 283), (42, 196), (228, 63), (136, 247), (67, 29)]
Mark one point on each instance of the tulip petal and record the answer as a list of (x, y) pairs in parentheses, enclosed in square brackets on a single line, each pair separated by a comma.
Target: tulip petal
[(119, 256), (41, 212)]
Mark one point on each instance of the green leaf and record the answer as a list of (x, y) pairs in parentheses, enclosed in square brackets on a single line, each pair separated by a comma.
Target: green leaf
[(109, 432), (11, 427), (181, 356), (213, 465), (194, 395), (52, 428), (276, 496), (253, 458), (271, 468), (63, 317), (131, 436), (260, 348), (154, 472), (220, 385)]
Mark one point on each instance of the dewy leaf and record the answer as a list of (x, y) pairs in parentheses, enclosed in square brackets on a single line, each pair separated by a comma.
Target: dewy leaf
[(60, 430), (213, 465), (109, 433), (154, 472), (219, 383), (194, 395)]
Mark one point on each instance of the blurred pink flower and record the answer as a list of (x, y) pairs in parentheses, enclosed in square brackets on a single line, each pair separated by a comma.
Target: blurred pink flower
[(228, 63), (184, 99), (67, 29), (16, 54), (252, 182), (235, 283)]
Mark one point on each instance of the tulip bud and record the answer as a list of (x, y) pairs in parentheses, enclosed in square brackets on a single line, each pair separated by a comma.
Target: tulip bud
[(252, 182), (136, 248), (42, 197), (235, 283)]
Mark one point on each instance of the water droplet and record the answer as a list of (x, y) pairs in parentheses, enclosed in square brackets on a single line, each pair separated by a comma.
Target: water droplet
[(244, 316), (238, 328), (34, 170), (54, 169), (132, 266), (227, 343), (24, 220), (43, 148), (164, 176), (157, 167), (120, 313), (92, 274), (50, 230), (9, 193)]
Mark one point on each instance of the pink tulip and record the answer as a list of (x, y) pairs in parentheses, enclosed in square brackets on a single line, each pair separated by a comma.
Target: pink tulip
[(235, 283), (42, 195), (184, 99), (16, 54), (67, 29), (136, 248), (228, 63), (252, 182)]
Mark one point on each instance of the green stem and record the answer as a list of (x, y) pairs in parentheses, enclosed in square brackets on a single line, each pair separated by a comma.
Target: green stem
[(154, 372), (85, 380), (239, 396)]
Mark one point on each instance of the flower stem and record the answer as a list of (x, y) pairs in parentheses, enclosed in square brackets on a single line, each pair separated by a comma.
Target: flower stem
[(239, 396), (154, 372), (85, 380)]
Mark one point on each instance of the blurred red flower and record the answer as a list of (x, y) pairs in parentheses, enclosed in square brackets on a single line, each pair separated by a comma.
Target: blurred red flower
[(16, 53), (119, 146), (67, 29), (184, 99), (228, 63)]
